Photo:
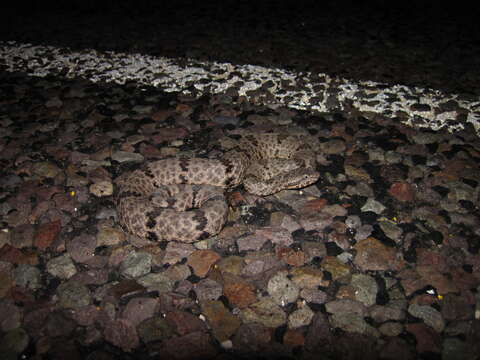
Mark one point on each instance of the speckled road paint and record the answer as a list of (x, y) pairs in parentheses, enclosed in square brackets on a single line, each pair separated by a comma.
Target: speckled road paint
[(414, 106)]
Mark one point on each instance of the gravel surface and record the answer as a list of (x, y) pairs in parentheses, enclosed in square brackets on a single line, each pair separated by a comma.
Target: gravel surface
[(377, 260)]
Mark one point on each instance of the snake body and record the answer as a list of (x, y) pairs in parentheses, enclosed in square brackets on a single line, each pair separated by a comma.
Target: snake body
[(182, 199)]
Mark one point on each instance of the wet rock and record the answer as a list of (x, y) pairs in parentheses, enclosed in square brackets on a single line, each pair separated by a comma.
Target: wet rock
[(22, 236)]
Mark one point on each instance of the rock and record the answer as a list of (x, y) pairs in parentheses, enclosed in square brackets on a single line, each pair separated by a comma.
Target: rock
[(300, 317), (429, 315), (72, 295), (265, 312), (184, 323), (365, 288), (62, 267), (282, 289), (124, 157), (122, 334), (136, 264), (201, 261), (207, 289), (27, 276), (373, 255), (223, 323), (139, 309)]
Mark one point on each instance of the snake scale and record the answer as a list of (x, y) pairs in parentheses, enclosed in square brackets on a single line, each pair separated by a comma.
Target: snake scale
[(182, 199)]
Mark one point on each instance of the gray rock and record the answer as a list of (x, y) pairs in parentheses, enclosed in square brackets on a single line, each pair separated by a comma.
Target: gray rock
[(27, 276), (62, 267), (72, 294), (136, 264), (282, 289), (374, 206), (366, 289), (124, 156), (429, 315), (300, 317)]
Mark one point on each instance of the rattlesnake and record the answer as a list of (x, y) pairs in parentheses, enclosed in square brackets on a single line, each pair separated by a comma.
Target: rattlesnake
[(153, 201)]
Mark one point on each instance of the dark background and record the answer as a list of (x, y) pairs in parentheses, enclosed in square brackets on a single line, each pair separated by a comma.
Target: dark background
[(425, 43)]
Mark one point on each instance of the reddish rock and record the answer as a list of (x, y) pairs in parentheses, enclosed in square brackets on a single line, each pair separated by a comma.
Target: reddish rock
[(223, 323), (82, 248), (402, 191), (192, 346), (294, 337), (373, 255), (239, 292), (184, 323), (123, 334), (12, 255), (290, 256), (202, 260), (169, 135), (46, 234), (314, 206), (139, 309), (161, 115)]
